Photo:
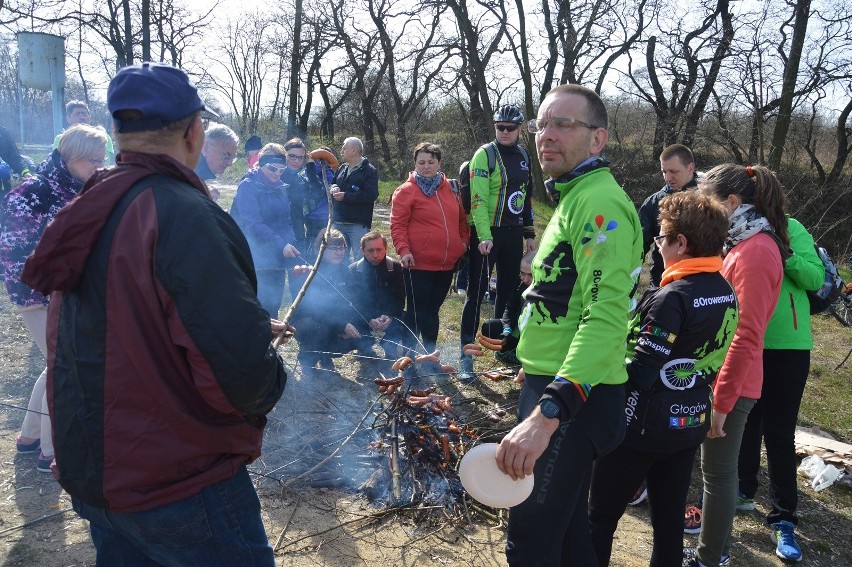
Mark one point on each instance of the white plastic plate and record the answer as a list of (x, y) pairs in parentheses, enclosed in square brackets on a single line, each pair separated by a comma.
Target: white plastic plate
[(487, 484)]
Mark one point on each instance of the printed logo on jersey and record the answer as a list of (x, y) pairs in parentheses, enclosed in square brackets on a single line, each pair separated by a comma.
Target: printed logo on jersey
[(478, 173), (524, 165), (659, 332), (598, 231), (679, 374), (646, 342), (682, 416), (516, 202)]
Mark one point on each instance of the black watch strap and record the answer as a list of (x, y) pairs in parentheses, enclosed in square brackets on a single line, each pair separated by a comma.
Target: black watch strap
[(550, 409)]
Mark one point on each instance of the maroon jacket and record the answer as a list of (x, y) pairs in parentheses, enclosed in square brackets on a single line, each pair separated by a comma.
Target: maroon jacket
[(160, 369)]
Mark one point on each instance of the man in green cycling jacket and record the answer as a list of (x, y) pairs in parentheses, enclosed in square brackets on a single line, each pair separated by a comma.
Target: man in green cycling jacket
[(573, 333)]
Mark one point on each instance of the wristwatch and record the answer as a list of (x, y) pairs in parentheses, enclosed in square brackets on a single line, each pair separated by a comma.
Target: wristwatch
[(550, 409)]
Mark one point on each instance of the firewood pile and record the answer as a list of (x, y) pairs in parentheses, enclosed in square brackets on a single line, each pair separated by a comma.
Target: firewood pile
[(397, 440)]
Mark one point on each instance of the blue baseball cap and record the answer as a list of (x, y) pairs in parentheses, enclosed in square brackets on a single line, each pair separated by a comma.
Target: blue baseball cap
[(162, 93)]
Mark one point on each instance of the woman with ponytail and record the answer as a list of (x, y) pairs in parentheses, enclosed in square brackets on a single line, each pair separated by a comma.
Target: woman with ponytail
[(755, 249)]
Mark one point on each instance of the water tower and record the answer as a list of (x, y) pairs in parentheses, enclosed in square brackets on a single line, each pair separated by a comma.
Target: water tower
[(41, 65)]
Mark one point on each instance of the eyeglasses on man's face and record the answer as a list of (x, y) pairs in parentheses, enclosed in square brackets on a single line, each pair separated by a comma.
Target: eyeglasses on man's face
[(658, 240), (559, 123), (296, 157)]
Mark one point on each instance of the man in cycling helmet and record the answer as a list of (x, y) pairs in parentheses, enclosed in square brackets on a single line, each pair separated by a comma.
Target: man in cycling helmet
[(501, 220)]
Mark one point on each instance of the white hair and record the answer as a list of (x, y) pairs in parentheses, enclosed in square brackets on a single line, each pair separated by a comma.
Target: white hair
[(356, 142), (220, 132)]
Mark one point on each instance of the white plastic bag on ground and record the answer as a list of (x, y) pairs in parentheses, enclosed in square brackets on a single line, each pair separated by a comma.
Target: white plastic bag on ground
[(811, 466), (826, 478), (822, 476)]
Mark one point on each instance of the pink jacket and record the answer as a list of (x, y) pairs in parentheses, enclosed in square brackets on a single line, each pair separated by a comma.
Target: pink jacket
[(754, 269), (432, 229)]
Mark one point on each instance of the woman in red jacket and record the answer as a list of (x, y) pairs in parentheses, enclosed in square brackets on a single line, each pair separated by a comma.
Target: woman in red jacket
[(430, 233), (753, 264)]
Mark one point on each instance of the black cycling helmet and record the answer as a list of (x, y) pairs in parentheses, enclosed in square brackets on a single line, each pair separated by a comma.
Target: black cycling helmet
[(509, 113)]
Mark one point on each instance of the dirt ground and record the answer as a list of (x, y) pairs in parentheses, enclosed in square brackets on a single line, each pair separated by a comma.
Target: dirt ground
[(322, 520)]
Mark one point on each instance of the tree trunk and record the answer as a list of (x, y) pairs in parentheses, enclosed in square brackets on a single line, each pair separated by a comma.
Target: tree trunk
[(128, 33), (146, 30), (844, 137), (788, 85), (295, 66)]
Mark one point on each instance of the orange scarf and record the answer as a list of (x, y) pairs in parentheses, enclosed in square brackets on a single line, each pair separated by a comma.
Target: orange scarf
[(689, 266)]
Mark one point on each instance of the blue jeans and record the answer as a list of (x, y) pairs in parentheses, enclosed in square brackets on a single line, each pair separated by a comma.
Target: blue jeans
[(220, 525)]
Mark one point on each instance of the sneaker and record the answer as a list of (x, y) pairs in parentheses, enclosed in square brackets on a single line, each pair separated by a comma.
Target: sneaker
[(690, 558), (692, 520), (25, 448), (466, 373), (744, 504), (784, 538), (44, 463), (640, 496)]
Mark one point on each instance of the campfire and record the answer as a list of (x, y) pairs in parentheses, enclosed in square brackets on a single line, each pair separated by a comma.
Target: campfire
[(406, 447)]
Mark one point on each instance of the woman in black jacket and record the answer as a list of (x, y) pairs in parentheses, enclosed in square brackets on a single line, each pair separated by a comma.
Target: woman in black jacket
[(680, 337)]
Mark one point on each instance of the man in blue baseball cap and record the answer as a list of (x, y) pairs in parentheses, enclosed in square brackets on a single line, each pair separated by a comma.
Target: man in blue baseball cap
[(159, 376)]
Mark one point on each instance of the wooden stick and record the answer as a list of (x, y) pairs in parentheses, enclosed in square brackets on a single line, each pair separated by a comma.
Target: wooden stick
[(284, 530), (281, 337), (375, 516), (397, 490), (33, 522)]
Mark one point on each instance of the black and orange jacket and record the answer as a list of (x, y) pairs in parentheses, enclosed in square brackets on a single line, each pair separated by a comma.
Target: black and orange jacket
[(160, 370)]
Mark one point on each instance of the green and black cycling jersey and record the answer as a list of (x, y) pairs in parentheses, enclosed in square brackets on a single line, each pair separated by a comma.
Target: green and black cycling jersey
[(678, 340), (500, 196), (574, 325)]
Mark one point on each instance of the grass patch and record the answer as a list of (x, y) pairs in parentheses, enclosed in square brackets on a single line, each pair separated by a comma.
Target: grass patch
[(828, 390)]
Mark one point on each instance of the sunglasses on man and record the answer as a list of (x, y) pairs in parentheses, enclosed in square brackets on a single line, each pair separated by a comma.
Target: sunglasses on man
[(507, 127)]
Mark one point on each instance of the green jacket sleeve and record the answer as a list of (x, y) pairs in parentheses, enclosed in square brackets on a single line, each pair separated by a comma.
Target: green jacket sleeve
[(480, 194), (804, 267)]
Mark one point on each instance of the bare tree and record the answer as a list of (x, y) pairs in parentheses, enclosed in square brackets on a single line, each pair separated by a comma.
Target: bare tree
[(241, 63), (843, 134), (690, 63), (481, 26), (177, 29), (407, 38), (586, 38), (368, 66)]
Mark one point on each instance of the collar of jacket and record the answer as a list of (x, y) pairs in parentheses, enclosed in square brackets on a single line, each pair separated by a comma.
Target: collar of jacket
[(587, 166), (56, 172)]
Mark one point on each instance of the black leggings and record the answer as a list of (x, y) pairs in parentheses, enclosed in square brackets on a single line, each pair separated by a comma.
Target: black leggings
[(773, 419), (615, 479), (425, 292), (506, 254)]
